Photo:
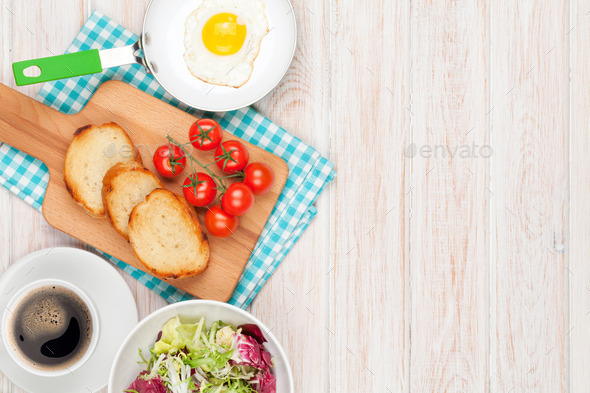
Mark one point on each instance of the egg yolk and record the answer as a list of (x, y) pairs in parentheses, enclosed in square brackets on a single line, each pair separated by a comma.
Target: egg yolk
[(223, 35)]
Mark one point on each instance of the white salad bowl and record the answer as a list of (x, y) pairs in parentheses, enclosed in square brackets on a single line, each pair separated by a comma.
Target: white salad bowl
[(125, 368)]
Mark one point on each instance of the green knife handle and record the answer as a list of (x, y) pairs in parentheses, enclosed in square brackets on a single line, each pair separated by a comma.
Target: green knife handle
[(58, 67)]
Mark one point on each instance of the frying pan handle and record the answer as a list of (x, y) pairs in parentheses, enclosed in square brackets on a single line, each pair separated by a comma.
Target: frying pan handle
[(122, 55), (58, 67)]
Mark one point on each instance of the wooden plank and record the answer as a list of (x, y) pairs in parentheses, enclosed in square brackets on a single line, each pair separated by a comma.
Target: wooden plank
[(5, 196), (579, 211), (28, 32), (529, 205), (449, 76), (127, 13), (28, 38), (5, 204), (365, 299), (53, 38), (147, 119), (369, 44), (130, 14), (295, 298)]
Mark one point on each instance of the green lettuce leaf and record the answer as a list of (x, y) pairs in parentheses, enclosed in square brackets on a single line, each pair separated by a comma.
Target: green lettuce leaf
[(177, 336)]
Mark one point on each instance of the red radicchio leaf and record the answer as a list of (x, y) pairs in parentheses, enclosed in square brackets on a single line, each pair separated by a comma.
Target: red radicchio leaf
[(253, 331), (264, 382), (154, 385), (250, 352)]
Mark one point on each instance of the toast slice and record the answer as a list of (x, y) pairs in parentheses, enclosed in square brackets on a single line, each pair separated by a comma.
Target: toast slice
[(124, 186), (166, 236), (92, 152)]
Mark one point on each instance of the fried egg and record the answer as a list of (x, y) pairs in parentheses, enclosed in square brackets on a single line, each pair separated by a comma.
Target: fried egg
[(222, 39)]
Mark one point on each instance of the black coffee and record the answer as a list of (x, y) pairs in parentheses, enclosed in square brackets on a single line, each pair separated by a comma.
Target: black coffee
[(51, 328)]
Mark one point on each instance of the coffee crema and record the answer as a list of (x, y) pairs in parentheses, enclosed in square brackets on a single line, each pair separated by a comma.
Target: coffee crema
[(50, 328)]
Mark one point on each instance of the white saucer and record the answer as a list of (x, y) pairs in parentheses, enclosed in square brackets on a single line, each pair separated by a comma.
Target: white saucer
[(114, 302)]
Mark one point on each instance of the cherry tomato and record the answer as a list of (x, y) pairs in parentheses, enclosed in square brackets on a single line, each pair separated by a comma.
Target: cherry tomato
[(219, 223), (169, 165), (200, 190), (231, 156), (259, 177), (205, 134), (238, 199)]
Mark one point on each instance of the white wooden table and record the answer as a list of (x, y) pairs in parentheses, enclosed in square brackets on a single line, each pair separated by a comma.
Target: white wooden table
[(451, 253)]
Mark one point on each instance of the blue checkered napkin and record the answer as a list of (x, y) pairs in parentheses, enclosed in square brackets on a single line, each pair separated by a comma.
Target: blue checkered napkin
[(309, 171)]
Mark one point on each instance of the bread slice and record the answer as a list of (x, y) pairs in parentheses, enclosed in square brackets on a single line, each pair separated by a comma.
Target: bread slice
[(125, 185), (166, 236), (92, 152)]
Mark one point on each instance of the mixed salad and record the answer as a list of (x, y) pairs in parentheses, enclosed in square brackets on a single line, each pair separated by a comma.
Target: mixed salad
[(189, 358)]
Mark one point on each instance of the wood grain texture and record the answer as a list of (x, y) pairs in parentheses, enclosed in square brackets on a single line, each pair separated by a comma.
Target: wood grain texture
[(18, 44), (27, 31), (5, 196), (295, 298), (529, 205), (448, 221), (368, 126), (132, 13), (423, 274), (46, 133), (579, 192), (127, 13)]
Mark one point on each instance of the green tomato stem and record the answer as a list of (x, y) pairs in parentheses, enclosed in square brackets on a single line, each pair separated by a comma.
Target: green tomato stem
[(219, 180)]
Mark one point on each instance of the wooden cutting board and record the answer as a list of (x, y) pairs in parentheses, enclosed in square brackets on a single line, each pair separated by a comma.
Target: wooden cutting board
[(45, 133)]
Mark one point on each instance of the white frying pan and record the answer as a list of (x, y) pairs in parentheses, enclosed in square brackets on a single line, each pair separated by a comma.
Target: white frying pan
[(162, 41)]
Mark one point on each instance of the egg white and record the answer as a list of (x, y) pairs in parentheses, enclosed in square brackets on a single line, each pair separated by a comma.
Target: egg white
[(231, 70)]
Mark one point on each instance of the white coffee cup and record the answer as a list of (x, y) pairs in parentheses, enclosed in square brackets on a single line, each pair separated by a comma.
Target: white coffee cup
[(15, 354)]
